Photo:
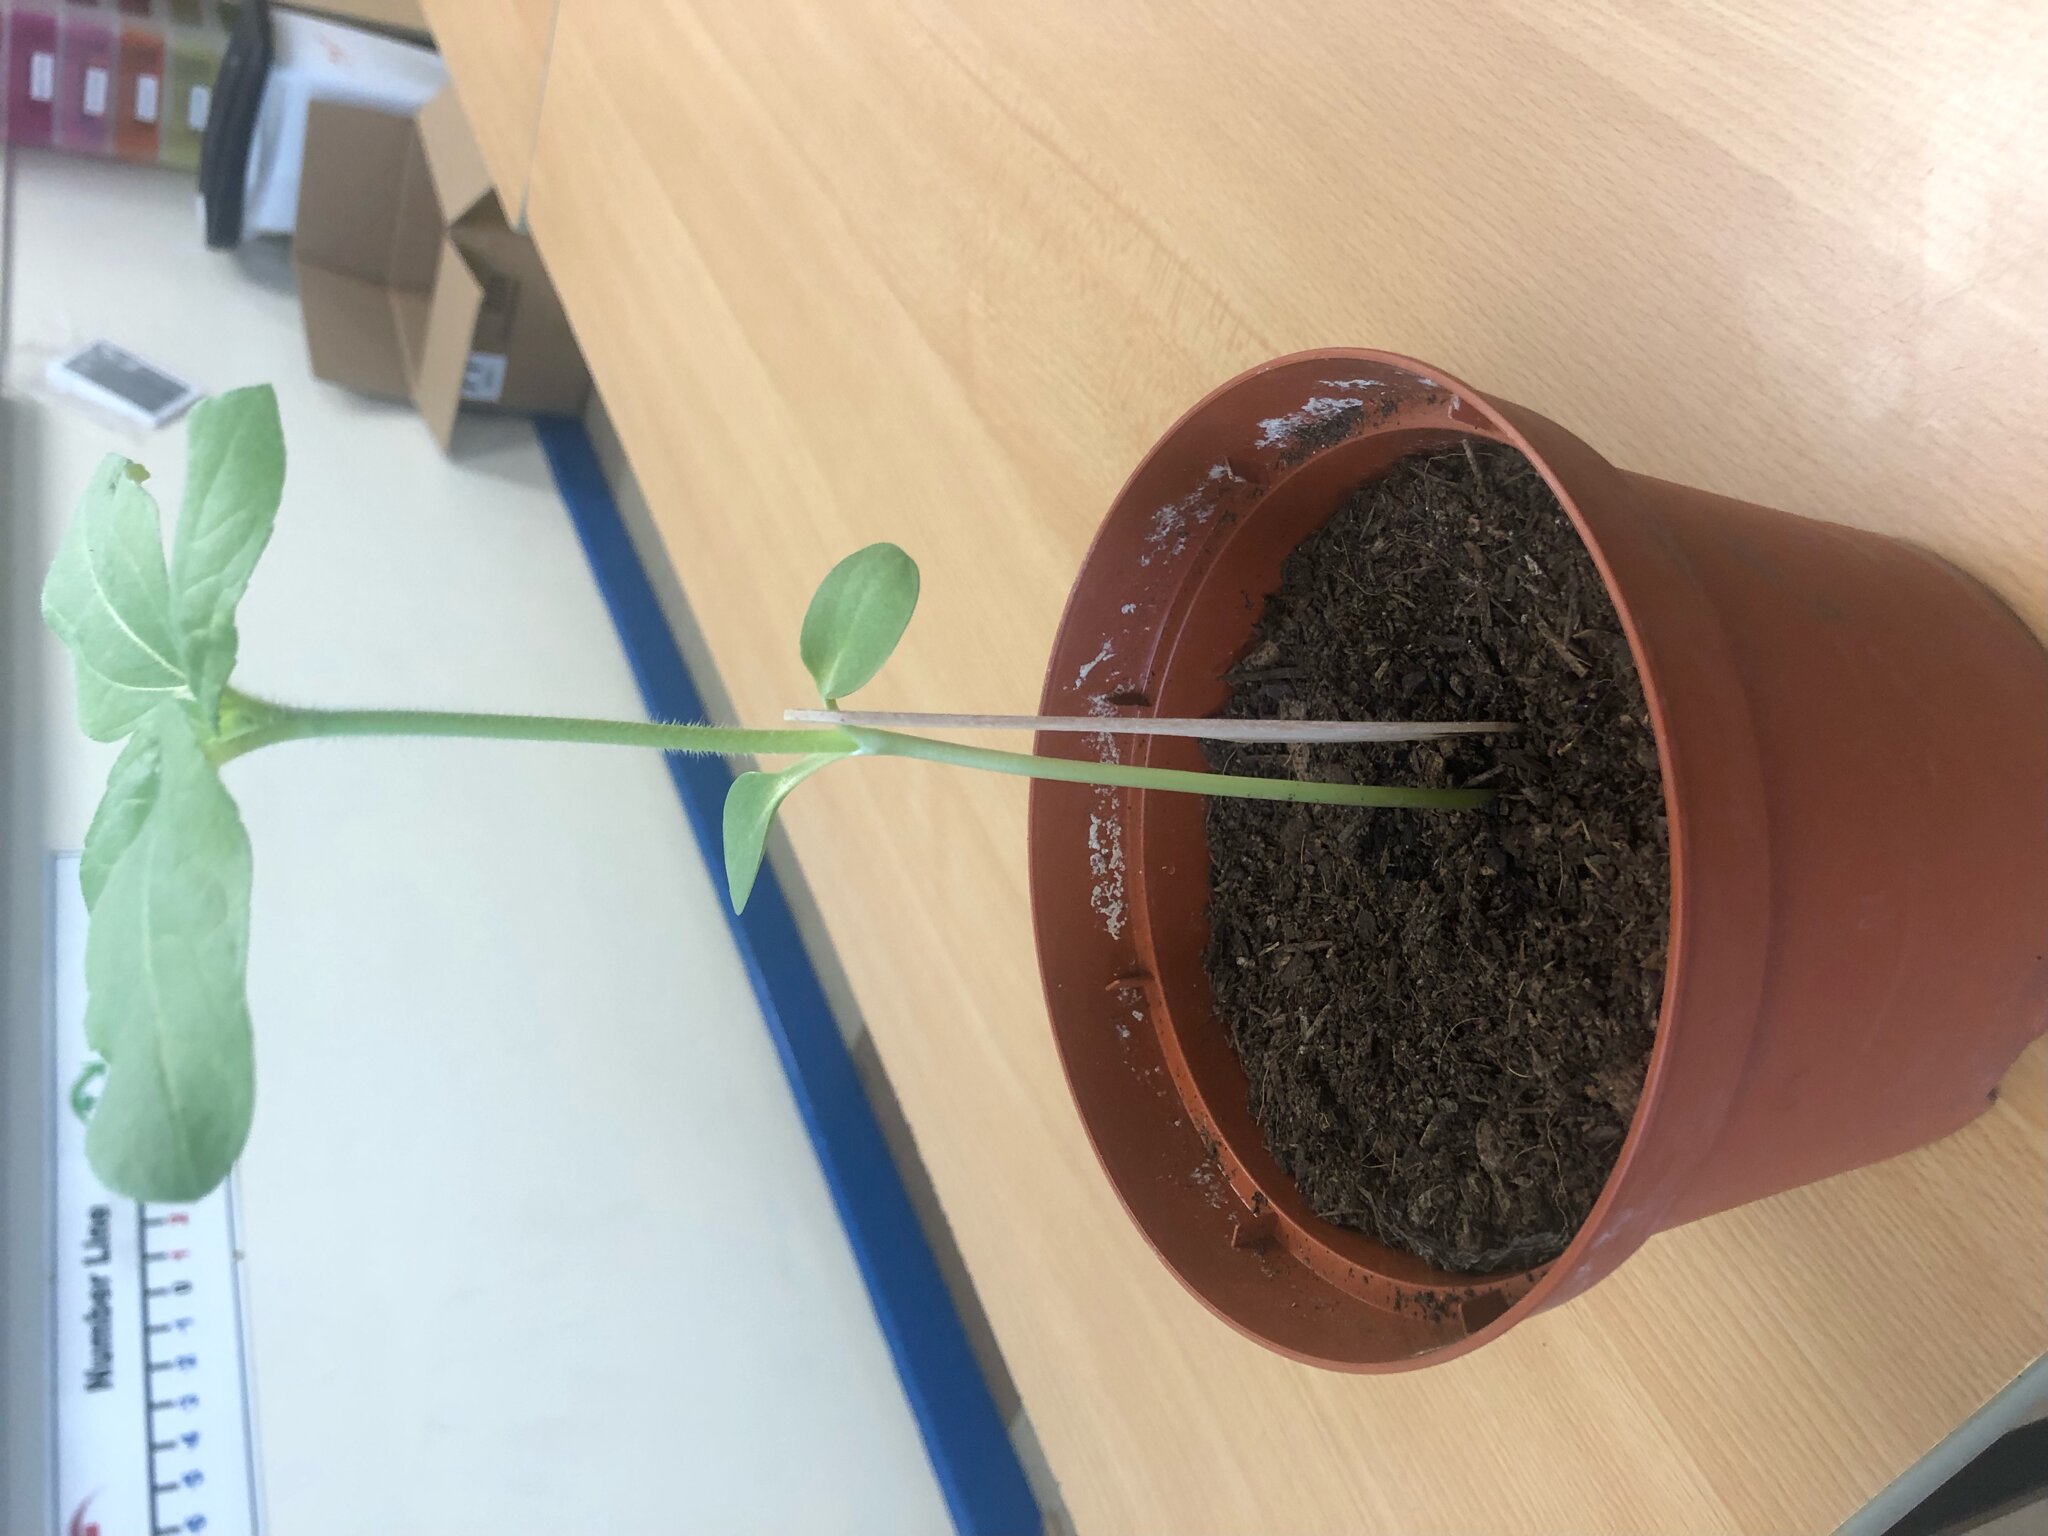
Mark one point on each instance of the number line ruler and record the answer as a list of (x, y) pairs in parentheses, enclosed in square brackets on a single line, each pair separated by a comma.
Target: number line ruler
[(153, 1430)]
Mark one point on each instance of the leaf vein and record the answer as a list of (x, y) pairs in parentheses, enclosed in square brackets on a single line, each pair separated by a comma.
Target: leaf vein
[(92, 571)]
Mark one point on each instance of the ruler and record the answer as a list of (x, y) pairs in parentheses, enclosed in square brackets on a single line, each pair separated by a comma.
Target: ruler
[(151, 1401)]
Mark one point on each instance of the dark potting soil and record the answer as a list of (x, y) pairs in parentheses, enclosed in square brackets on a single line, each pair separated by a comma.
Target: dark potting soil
[(1445, 1016)]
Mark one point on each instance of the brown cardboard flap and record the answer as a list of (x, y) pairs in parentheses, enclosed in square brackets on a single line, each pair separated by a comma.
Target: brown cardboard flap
[(461, 179), (415, 226), (349, 205), (351, 337), (410, 311), (522, 320), (444, 350)]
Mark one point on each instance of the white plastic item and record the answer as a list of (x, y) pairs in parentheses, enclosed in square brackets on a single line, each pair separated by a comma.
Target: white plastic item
[(117, 382), (316, 60)]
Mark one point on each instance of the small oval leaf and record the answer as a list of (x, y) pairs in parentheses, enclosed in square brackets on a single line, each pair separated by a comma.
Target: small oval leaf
[(749, 811), (108, 598), (166, 953), (123, 812), (234, 479), (83, 1099), (856, 617)]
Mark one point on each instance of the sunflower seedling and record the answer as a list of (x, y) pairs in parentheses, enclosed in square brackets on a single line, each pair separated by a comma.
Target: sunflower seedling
[(165, 868)]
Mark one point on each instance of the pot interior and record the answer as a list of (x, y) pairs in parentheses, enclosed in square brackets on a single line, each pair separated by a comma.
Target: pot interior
[(1165, 604), (1208, 632)]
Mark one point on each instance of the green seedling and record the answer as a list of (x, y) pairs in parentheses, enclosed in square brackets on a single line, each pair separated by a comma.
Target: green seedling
[(165, 868)]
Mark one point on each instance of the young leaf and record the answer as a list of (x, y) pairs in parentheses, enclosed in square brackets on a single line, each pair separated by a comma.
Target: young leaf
[(165, 959), (749, 809), (123, 812), (107, 597), (234, 479), (83, 1099), (856, 617)]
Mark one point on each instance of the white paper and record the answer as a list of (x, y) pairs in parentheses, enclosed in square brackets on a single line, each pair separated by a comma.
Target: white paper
[(483, 377), (318, 60), (150, 1393), (95, 92)]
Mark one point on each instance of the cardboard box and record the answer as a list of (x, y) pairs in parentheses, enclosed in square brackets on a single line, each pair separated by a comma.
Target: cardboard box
[(411, 283)]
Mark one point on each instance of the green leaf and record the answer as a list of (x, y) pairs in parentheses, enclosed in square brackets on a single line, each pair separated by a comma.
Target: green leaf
[(165, 961), (856, 617), (749, 810), (83, 1100), (234, 479), (107, 597), (123, 812)]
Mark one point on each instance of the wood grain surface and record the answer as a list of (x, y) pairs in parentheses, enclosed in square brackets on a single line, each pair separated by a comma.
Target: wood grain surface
[(940, 271), (497, 54), (397, 15)]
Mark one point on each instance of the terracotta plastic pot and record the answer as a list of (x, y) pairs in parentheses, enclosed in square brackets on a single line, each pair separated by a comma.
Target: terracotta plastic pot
[(1854, 744)]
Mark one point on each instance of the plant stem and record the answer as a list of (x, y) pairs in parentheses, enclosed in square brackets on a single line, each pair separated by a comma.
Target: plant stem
[(275, 723), (1129, 776), (267, 724)]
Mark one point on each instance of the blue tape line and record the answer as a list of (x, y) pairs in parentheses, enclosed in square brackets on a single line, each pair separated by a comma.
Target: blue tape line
[(970, 1450)]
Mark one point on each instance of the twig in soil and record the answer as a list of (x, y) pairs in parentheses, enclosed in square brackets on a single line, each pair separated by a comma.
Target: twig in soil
[(1472, 458)]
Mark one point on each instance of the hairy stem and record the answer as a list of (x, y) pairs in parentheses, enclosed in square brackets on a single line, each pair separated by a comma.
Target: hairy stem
[(1124, 775)]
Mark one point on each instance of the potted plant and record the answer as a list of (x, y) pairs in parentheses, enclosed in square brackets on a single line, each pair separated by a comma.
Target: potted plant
[(1763, 895), (166, 867)]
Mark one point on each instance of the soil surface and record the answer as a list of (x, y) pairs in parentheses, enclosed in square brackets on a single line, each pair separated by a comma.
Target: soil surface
[(1445, 1016)]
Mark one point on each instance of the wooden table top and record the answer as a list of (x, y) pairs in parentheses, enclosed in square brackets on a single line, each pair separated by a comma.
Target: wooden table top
[(940, 272), (497, 55)]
